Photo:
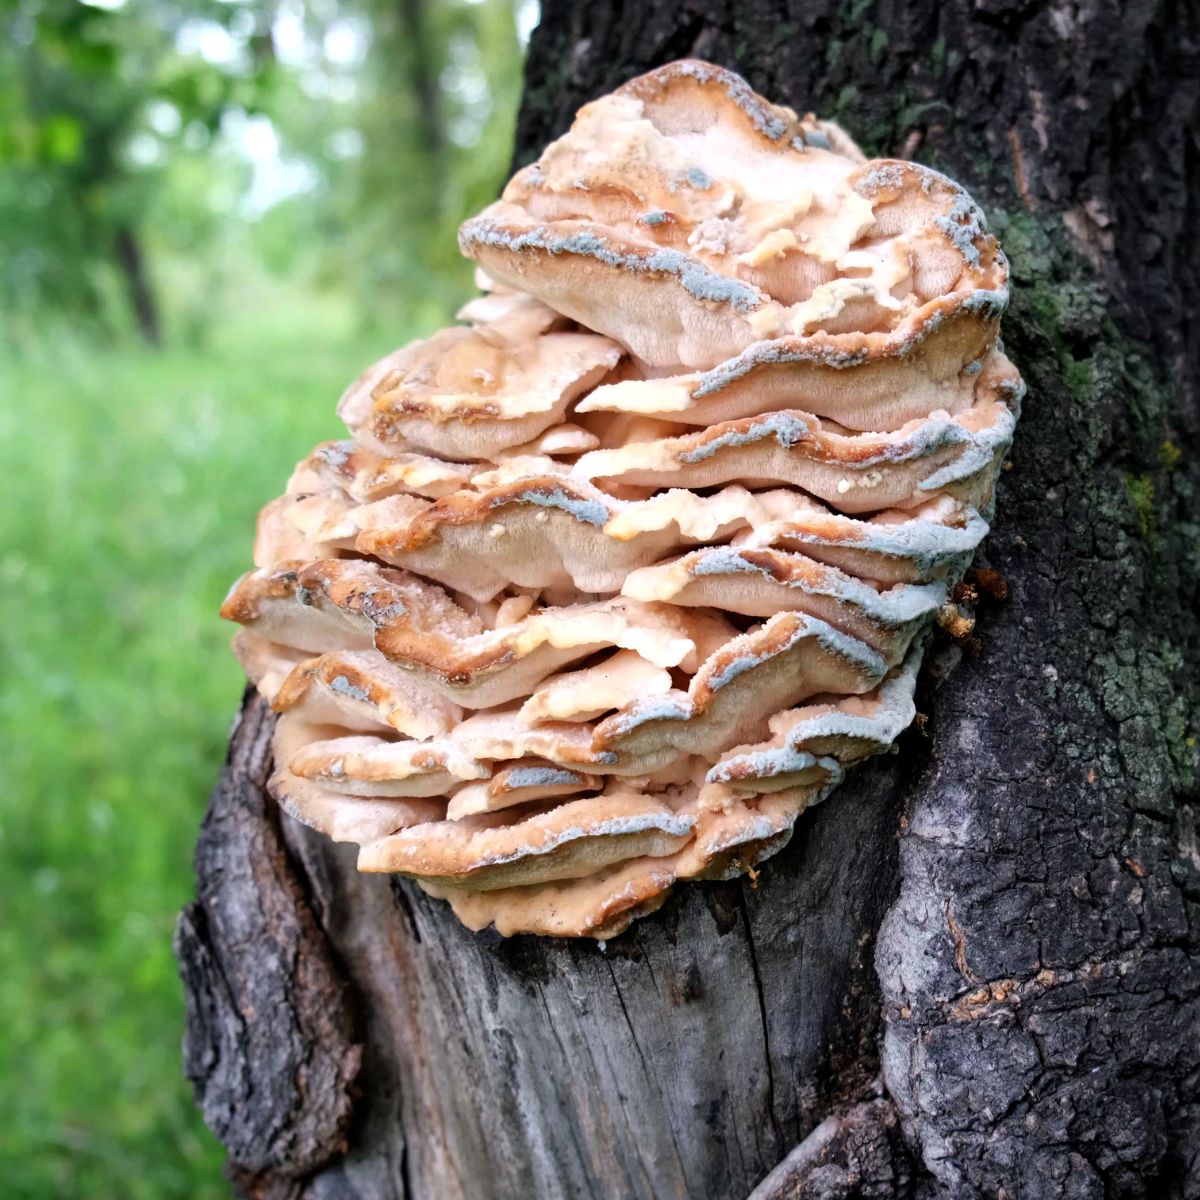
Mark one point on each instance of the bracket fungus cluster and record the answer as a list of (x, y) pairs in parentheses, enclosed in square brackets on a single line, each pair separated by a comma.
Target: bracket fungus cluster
[(614, 579)]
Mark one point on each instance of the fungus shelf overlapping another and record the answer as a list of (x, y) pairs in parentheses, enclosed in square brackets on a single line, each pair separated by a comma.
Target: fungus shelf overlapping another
[(614, 579)]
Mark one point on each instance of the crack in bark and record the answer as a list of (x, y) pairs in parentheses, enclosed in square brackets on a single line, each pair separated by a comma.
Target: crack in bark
[(763, 1018)]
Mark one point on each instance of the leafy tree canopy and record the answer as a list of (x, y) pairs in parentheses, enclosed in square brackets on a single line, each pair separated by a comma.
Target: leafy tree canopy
[(151, 151)]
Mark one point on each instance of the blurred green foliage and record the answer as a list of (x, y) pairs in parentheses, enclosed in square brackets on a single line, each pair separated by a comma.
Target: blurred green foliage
[(135, 514), (349, 139), (290, 174)]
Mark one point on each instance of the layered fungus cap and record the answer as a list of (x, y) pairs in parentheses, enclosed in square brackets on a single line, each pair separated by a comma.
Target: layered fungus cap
[(613, 579)]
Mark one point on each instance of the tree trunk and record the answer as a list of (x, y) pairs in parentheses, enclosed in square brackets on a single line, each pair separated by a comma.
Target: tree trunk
[(423, 73), (137, 283), (973, 971)]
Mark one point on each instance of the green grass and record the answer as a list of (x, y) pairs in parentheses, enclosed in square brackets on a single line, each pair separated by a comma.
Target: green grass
[(131, 480)]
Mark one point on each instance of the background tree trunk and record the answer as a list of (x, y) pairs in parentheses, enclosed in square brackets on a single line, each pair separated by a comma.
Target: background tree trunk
[(973, 972), (132, 263)]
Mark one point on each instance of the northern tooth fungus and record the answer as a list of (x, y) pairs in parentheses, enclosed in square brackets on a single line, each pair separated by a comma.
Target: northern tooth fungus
[(615, 579)]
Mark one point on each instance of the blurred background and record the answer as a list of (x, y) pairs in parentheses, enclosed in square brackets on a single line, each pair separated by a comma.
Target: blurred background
[(213, 215)]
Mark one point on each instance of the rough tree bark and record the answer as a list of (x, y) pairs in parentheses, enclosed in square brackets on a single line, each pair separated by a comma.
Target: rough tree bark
[(973, 971)]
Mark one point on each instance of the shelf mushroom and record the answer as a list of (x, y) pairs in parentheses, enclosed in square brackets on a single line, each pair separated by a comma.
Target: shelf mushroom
[(614, 579)]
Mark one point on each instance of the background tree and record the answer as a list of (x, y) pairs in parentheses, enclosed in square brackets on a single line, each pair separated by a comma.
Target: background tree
[(117, 119), (436, 72), (973, 973), (82, 86)]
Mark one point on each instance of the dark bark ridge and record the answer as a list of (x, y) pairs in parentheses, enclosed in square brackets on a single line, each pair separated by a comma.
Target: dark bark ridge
[(1019, 965), (271, 1048)]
